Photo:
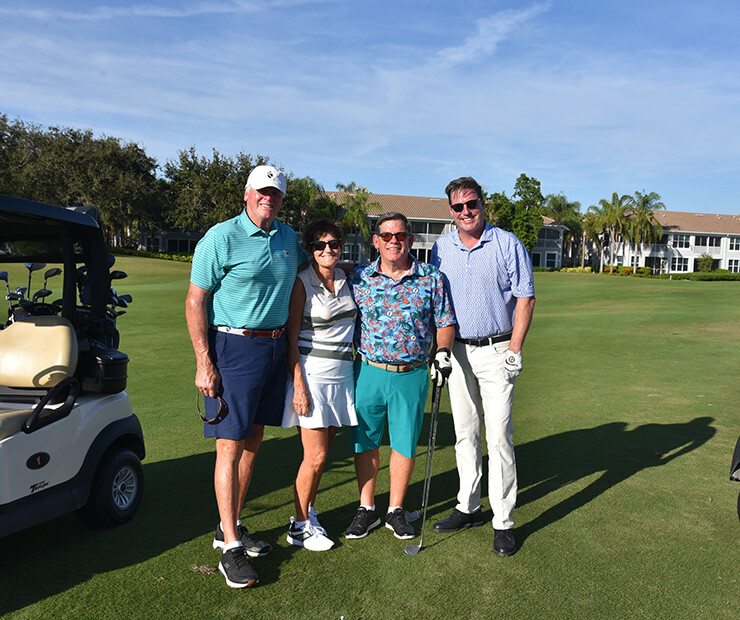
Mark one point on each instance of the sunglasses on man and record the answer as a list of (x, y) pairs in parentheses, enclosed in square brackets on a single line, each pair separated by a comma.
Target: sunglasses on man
[(320, 245), (386, 236), (459, 206)]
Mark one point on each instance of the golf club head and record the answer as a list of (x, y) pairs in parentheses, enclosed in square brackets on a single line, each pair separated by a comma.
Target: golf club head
[(118, 275), (412, 549), (35, 266), (13, 297), (50, 273), (126, 297), (40, 294), (21, 290), (4, 276)]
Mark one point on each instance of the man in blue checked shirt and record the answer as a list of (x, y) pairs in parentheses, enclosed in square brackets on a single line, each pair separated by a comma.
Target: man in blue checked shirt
[(489, 275), (237, 306)]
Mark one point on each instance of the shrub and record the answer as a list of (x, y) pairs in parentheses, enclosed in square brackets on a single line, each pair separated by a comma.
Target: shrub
[(702, 276), (704, 263), (625, 271)]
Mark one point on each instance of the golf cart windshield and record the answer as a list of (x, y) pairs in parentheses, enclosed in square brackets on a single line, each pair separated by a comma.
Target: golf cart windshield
[(37, 232)]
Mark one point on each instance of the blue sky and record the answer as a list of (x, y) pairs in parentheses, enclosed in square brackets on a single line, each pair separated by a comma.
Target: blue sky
[(589, 97)]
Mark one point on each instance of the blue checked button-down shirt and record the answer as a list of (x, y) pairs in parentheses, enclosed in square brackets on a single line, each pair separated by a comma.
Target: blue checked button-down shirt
[(398, 318), (484, 281)]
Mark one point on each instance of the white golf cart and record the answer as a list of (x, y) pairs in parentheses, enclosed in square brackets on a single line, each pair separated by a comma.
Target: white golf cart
[(68, 438)]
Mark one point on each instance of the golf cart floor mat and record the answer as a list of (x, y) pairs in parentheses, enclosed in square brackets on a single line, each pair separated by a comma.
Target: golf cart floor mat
[(38, 351)]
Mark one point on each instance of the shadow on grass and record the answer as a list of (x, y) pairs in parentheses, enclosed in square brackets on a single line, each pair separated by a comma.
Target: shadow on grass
[(553, 462), (178, 506)]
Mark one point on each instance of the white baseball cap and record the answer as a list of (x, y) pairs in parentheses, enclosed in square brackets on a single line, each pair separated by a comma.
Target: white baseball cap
[(266, 176)]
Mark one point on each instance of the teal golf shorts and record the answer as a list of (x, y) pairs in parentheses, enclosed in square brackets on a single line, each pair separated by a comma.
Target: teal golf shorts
[(398, 396)]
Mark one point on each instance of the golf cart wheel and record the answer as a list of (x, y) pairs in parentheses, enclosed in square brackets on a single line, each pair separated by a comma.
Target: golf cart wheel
[(116, 491)]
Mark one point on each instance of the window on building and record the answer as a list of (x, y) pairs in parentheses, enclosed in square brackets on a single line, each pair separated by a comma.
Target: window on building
[(436, 228), (707, 241), (351, 253), (734, 265), (536, 257), (551, 258), (679, 264), (681, 241), (735, 243), (620, 260)]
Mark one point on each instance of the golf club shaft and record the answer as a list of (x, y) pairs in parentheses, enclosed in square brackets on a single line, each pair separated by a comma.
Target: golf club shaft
[(436, 397)]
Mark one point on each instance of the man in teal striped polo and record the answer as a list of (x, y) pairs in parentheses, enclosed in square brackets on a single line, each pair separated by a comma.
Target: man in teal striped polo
[(237, 306)]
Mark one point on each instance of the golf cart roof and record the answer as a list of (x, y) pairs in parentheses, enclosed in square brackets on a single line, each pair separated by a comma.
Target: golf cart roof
[(34, 231), (30, 212)]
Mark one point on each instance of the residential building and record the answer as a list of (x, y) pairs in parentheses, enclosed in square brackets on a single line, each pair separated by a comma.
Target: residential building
[(429, 218), (687, 237)]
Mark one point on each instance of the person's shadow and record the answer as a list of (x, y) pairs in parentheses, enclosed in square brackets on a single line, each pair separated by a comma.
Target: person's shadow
[(553, 462)]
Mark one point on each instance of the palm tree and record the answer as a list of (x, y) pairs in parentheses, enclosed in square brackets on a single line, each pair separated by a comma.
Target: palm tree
[(354, 216), (614, 218), (352, 188), (642, 226), (567, 213), (594, 229)]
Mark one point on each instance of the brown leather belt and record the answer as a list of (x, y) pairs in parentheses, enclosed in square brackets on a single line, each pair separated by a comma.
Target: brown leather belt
[(252, 333), (393, 367)]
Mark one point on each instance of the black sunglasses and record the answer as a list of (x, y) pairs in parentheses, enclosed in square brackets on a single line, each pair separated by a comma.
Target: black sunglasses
[(459, 206), (320, 245), (386, 236), (223, 410)]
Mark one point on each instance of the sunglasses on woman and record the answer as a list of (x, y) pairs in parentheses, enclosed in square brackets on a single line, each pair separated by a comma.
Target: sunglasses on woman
[(459, 206), (320, 245), (386, 236)]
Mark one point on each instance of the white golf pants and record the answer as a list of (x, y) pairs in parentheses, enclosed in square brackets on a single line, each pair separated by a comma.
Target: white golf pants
[(478, 388)]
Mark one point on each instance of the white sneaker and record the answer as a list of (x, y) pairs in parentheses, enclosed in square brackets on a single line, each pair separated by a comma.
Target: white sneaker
[(313, 517), (308, 537)]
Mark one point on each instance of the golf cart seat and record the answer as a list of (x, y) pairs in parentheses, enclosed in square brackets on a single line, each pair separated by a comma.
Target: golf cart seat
[(37, 352)]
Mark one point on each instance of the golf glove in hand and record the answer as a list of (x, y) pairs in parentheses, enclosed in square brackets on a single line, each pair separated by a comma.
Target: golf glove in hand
[(512, 365), (441, 367)]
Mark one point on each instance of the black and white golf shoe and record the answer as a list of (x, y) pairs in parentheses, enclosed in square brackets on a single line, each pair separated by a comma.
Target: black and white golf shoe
[(253, 547), (236, 569), (363, 521), (397, 522)]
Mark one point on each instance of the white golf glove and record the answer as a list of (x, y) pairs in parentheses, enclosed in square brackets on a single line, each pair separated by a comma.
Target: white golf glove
[(512, 365), (441, 367)]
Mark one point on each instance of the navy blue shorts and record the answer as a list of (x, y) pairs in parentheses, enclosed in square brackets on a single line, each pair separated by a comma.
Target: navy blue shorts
[(253, 376)]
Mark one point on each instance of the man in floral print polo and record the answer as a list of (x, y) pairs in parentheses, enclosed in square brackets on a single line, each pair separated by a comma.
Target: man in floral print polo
[(404, 309)]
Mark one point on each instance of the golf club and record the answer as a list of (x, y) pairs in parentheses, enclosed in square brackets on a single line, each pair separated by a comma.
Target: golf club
[(4, 278), (21, 290), (436, 397), (31, 268), (50, 273), (40, 294)]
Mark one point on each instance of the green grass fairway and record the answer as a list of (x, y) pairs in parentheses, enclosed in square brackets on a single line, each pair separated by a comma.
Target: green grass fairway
[(626, 416)]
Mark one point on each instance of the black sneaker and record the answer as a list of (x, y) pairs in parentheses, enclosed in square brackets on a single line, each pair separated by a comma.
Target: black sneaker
[(235, 568), (397, 522), (459, 520), (504, 543), (364, 521), (253, 547)]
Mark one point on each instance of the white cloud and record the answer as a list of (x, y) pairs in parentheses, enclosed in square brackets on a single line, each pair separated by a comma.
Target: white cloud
[(490, 32)]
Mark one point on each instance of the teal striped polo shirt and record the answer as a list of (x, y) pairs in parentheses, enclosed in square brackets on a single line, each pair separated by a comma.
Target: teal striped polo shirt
[(249, 272)]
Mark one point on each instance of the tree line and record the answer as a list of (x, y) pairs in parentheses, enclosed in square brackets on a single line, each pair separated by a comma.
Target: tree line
[(133, 193)]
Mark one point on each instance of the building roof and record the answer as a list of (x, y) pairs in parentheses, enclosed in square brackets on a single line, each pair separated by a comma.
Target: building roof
[(416, 207), (699, 222)]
